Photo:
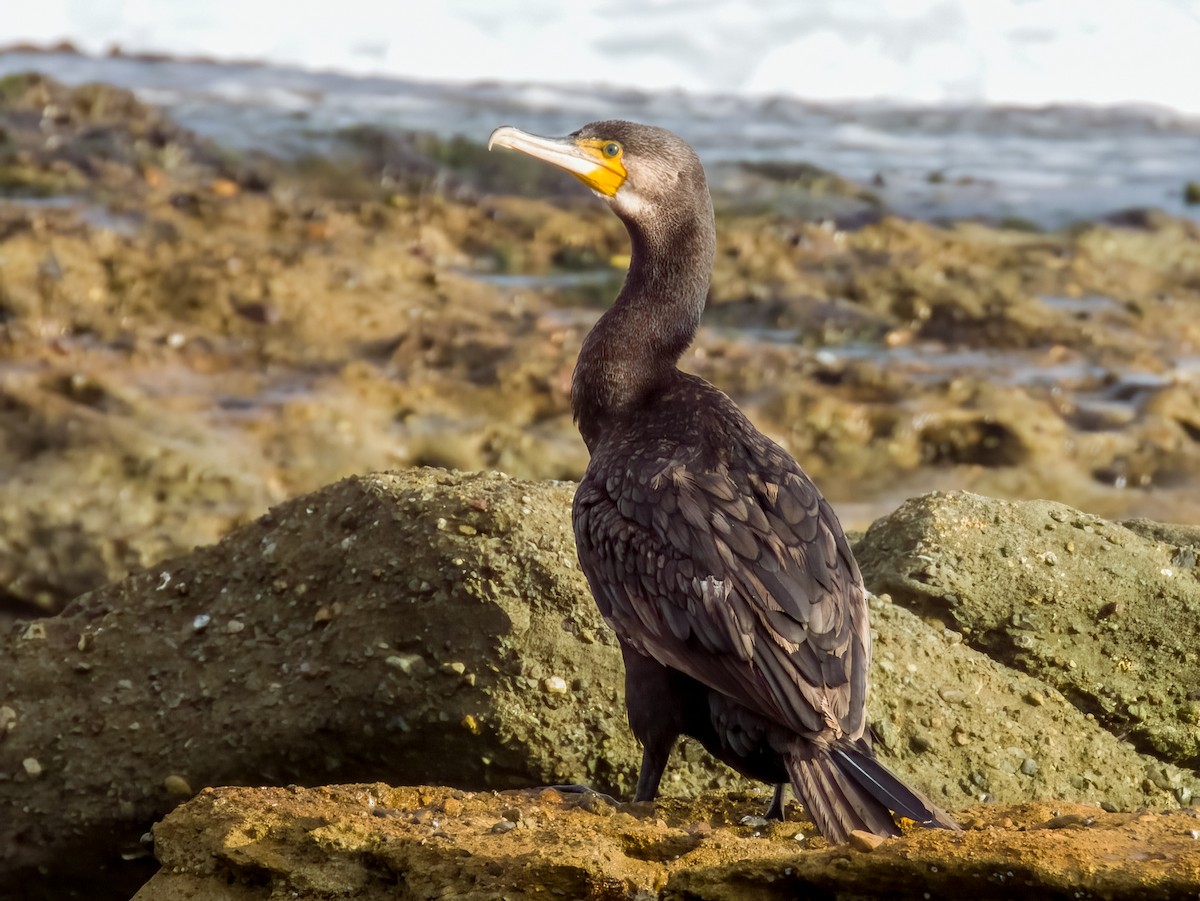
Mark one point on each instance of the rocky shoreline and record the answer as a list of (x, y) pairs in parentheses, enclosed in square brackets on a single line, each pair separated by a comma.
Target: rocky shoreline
[(191, 338)]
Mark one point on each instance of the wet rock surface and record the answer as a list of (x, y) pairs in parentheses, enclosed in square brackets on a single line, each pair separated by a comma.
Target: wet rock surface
[(189, 335), (372, 841), (433, 627)]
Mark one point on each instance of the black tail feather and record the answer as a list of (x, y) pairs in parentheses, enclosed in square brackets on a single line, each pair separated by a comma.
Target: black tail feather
[(836, 803), (844, 788), (864, 810), (862, 766)]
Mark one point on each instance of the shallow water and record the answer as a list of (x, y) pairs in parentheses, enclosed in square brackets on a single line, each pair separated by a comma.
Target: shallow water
[(1048, 166)]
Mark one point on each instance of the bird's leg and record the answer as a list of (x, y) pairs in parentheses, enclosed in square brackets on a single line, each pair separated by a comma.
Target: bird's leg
[(654, 764), (655, 701), (775, 811)]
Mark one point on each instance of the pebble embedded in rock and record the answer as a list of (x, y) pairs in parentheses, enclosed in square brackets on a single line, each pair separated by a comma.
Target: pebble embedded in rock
[(504, 826), (177, 785), (1067, 821), (8, 720), (755, 822), (555, 685), (409, 664), (32, 766), (1029, 766), (865, 841), (1162, 779), (595, 803)]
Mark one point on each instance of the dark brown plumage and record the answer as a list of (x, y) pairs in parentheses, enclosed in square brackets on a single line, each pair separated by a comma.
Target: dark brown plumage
[(726, 576)]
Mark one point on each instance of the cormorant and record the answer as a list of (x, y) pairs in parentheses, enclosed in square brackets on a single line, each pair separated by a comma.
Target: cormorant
[(740, 611)]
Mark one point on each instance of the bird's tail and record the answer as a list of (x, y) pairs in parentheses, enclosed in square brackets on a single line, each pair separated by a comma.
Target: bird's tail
[(843, 788)]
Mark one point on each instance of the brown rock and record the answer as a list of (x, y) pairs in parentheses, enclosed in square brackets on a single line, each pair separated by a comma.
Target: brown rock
[(324, 842), (865, 841)]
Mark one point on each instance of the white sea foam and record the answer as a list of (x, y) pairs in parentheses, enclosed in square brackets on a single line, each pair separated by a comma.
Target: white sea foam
[(917, 51), (953, 156)]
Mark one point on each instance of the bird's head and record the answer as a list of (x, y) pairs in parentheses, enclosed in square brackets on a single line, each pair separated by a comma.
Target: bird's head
[(638, 169)]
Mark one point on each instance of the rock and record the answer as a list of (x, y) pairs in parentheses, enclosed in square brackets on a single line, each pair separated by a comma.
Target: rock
[(380, 641), (951, 750), (325, 842), (419, 670), (865, 841), (88, 133), (1112, 624)]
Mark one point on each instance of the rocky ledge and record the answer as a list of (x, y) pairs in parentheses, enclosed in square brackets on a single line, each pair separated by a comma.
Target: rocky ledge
[(428, 627), (376, 842)]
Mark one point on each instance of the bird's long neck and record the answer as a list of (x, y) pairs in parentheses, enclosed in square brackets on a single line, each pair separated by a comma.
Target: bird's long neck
[(633, 349)]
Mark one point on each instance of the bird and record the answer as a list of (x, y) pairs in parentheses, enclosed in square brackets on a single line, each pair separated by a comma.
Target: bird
[(737, 604)]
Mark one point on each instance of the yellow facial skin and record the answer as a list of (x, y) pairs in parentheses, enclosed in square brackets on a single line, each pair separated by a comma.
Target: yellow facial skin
[(596, 163)]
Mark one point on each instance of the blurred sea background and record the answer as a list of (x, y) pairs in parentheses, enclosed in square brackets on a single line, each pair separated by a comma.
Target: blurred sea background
[(959, 250), (1047, 110)]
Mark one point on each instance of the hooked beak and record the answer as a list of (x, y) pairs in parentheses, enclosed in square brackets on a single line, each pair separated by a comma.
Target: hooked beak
[(583, 158)]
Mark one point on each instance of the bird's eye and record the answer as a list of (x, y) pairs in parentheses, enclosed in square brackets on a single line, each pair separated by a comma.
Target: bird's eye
[(612, 150)]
